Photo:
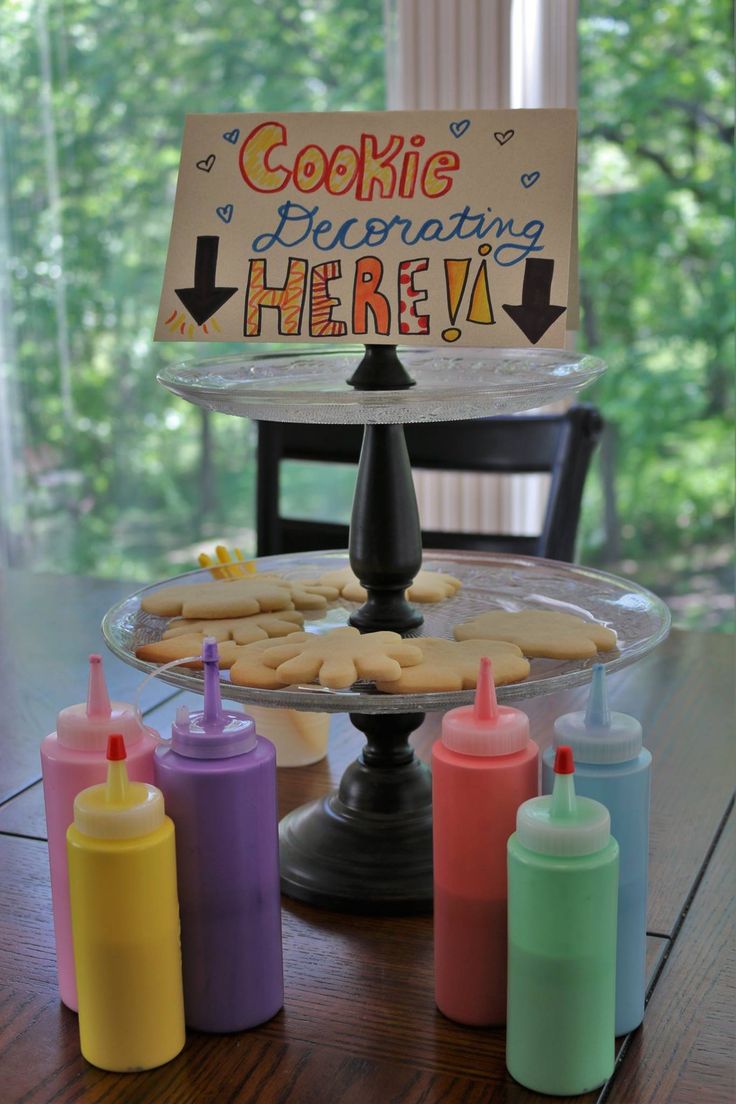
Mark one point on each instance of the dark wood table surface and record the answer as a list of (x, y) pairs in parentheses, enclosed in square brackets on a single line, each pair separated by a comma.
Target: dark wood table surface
[(359, 1024)]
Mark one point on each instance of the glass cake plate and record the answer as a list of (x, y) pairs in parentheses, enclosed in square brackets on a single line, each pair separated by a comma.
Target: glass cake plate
[(490, 581), (304, 385)]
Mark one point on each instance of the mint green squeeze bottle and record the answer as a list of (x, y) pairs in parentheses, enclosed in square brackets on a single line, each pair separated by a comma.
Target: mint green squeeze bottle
[(562, 894)]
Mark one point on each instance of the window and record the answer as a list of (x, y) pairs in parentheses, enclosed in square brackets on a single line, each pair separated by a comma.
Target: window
[(657, 249), (102, 470)]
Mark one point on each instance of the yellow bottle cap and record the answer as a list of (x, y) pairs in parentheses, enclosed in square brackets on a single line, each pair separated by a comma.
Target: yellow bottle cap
[(119, 808)]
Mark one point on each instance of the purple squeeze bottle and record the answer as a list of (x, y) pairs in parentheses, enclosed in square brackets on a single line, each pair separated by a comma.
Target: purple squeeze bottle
[(218, 778)]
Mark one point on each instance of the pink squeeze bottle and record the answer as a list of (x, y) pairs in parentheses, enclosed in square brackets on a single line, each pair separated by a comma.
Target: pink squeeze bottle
[(483, 768), (73, 758)]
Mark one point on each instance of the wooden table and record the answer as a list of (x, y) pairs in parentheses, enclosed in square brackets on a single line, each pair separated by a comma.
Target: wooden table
[(359, 1025)]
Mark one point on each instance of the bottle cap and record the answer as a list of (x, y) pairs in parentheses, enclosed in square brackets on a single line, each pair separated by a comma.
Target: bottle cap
[(86, 726), (485, 728), (563, 823), (598, 735), (118, 808), (213, 733)]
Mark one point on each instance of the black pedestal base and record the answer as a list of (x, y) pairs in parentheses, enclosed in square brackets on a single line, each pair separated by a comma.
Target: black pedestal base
[(368, 847)]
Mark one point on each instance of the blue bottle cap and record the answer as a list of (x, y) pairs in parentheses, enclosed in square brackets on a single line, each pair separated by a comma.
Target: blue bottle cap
[(598, 735), (213, 733)]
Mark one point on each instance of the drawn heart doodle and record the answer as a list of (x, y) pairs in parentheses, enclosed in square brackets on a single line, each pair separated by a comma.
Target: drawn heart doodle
[(231, 136), (226, 212), (206, 163), (458, 129), (503, 136), (527, 179)]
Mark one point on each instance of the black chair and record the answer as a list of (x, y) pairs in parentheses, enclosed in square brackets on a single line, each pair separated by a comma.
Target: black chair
[(561, 444)]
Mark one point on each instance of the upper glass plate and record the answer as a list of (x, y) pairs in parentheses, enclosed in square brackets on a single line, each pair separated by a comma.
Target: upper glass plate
[(490, 581), (309, 384)]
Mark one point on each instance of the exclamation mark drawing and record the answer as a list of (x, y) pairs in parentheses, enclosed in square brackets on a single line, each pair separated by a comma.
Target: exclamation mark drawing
[(456, 279)]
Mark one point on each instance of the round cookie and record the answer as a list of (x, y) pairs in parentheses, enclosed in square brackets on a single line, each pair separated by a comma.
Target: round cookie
[(542, 633), (450, 665), (341, 657)]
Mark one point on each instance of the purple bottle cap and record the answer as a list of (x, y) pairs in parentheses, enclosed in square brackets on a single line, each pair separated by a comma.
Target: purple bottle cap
[(213, 733)]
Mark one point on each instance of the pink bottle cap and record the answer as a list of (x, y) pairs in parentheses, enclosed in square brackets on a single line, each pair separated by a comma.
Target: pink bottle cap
[(485, 728), (86, 726)]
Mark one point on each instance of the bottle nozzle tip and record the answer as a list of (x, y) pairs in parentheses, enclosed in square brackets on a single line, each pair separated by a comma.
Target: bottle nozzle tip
[(564, 762), (116, 748), (598, 714), (485, 706), (98, 699)]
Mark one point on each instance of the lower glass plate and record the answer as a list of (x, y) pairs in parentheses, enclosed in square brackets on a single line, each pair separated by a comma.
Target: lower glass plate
[(490, 581)]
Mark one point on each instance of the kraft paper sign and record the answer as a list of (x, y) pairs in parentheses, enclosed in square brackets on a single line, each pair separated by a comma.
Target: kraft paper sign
[(412, 228)]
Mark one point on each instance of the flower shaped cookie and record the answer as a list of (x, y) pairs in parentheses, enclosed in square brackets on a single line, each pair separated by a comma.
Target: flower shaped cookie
[(541, 633), (236, 597), (337, 659), (449, 665), (428, 586), (243, 630)]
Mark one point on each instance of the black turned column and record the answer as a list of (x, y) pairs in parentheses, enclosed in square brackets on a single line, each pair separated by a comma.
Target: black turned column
[(368, 847), (385, 536)]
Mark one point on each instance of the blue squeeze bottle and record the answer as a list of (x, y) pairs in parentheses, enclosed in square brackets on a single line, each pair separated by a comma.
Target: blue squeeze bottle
[(612, 767)]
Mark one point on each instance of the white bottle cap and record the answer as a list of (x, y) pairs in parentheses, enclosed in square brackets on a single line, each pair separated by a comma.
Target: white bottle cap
[(561, 823), (118, 808), (598, 735), (485, 727)]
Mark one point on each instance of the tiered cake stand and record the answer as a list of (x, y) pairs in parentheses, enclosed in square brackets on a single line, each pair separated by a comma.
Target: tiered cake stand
[(367, 847)]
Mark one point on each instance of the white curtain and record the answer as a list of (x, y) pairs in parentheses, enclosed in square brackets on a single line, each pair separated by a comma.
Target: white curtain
[(447, 54)]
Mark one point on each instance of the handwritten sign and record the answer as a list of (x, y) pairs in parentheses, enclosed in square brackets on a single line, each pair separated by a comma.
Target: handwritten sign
[(413, 228)]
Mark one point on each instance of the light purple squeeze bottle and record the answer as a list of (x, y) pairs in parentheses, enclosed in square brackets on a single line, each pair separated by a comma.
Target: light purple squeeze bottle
[(218, 778)]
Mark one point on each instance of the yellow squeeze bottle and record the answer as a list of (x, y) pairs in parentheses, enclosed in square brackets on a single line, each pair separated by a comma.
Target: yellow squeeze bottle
[(125, 922)]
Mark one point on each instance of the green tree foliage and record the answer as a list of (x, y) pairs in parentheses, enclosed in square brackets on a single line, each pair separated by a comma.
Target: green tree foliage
[(92, 104), (657, 251)]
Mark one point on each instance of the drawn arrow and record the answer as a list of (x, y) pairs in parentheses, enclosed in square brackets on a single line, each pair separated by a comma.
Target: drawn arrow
[(204, 299), (534, 315)]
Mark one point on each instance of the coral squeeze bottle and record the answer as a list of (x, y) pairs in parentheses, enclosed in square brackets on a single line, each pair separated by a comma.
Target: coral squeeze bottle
[(563, 888), (73, 758), (483, 768), (218, 778), (125, 922), (612, 767)]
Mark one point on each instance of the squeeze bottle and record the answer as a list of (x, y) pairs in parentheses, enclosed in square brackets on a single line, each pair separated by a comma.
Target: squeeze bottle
[(612, 767), (563, 885), (483, 767), (218, 778), (73, 758), (125, 922)]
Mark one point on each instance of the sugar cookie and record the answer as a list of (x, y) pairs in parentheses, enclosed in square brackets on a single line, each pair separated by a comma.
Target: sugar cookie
[(248, 668), (180, 647), (243, 630), (237, 597), (342, 656), (428, 586), (449, 665), (541, 633)]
